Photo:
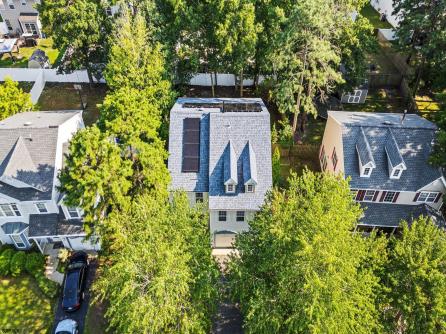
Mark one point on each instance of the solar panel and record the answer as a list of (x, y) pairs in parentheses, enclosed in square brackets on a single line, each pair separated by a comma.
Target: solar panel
[(191, 145), (227, 106)]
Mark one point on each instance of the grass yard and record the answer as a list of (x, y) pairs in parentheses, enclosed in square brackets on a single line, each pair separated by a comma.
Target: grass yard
[(379, 100), (65, 97), (374, 17), (23, 308), (26, 52)]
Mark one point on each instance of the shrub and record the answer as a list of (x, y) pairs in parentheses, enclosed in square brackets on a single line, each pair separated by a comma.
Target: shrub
[(48, 287), (35, 263), (286, 134), (63, 255), (5, 261), (276, 167), (17, 263)]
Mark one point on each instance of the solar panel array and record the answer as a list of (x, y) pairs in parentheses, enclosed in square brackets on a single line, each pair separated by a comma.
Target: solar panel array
[(227, 106), (191, 145)]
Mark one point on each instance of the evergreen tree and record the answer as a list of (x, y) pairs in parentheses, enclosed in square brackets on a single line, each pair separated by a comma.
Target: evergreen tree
[(301, 269), (421, 35), (13, 99), (160, 277), (79, 28), (416, 279), (236, 34)]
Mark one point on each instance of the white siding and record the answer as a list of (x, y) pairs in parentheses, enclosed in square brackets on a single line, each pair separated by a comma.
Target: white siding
[(230, 224)]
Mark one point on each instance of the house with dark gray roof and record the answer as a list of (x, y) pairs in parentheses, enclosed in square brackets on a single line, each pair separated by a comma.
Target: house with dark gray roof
[(386, 158), (220, 154), (32, 146)]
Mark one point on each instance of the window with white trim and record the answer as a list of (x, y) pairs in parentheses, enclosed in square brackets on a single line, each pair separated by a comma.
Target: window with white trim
[(366, 171), (30, 28), (427, 196), (390, 195), (9, 210), (249, 188), (23, 2), (199, 197), (230, 188), (369, 195), (18, 240), (41, 207), (396, 173), (10, 4), (8, 24), (73, 212), (240, 216), (221, 216)]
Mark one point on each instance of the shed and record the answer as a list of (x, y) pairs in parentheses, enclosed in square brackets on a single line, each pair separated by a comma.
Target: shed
[(38, 60)]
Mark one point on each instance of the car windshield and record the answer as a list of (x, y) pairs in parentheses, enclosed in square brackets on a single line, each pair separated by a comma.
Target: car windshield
[(75, 265)]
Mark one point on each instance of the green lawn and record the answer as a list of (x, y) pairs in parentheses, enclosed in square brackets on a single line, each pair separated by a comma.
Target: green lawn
[(23, 308), (65, 97), (379, 100), (373, 16), (26, 52)]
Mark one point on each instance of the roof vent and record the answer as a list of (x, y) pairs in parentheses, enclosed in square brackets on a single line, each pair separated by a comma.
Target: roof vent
[(387, 123), (27, 123)]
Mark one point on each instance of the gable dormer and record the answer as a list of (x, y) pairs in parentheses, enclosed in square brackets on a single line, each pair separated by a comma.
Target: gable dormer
[(365, 156), (249, 169), (18, 169), (395, 161), (230, 169)]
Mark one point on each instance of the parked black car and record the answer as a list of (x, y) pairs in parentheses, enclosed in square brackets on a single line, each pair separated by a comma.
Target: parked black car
[(75, 278)]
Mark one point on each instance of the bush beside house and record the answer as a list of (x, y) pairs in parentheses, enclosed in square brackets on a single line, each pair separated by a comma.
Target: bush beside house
[(13, 263)]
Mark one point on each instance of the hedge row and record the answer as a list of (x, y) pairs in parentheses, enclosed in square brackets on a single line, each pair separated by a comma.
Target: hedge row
[(16, 262)]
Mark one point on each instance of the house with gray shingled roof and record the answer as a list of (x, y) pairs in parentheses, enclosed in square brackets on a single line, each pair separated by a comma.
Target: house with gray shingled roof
[(32, 146), (220, 154), (386, 157)]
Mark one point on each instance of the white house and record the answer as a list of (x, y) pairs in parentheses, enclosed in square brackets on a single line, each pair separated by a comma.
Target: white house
[(21, 16), (220, 153), (386, 157), (32, 147)]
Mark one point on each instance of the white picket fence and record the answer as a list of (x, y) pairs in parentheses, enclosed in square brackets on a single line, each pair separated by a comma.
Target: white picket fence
[(42, 76)]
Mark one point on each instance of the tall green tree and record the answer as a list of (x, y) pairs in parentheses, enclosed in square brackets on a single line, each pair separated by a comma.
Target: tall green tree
[(421, 35), (136, 60), (236, 34), (416, 279), (95, 177), (307, 59), (301, 269), (160, 277), (13, 99), (79, 28)]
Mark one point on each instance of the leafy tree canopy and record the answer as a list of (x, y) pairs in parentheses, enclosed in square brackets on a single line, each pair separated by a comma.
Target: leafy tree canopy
[(160, 279), (13, 99), (416, 279), (301, 269), (80, 28)]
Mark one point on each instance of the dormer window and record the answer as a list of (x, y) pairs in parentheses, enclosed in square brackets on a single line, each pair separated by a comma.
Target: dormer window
[(230, 188), (250, 188), (396, 173), (366, 171)]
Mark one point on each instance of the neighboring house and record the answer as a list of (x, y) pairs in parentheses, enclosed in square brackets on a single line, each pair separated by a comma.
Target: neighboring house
[(32, 147), (386, 157), (21, 16), (220, 154)]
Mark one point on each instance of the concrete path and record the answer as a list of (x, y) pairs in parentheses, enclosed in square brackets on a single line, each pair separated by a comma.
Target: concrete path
[(52, 261), (228, 319)]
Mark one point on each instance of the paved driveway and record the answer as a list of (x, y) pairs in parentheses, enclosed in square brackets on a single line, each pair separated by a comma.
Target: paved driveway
[(80, 314)]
